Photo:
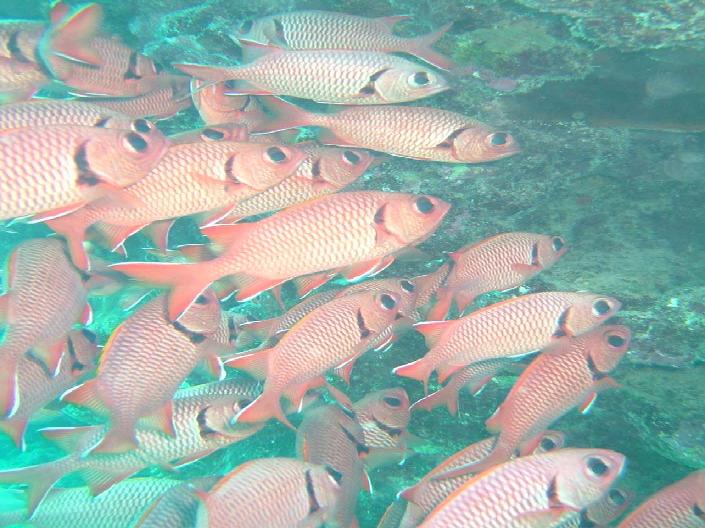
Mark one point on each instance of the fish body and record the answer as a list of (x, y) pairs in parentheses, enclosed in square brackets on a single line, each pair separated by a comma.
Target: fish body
[(190, 178), (177, 507), (45, 297), (272, 492), (530, 491), (326, 76), (328, 436), (507, 329), (679, 505), (331, 336), (499, 263), (409, 131), (312, 29), (19, 39), (41, 112), (600, 513), (228, 132), (144, 362), (354, 232), (217, 108), (19, 81), (20, 73), (60, 168), (36, 389), (428, 286)]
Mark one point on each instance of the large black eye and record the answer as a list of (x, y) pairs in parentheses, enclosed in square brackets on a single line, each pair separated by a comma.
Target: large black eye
[(617, 497), (136, 142), (89, 335), (498, 138), (407, 286), (387, 301), (392, 402), (601, 307), (141, 125), (615, 340), (246, 26), (351, 157), (424, 205), (421, 79), (201, 299), (212, 133), (597, 466), (276, 154), (547, 444), (558, 243)]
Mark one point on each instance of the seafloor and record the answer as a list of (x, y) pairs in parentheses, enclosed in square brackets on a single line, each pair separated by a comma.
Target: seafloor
[(608, 102)]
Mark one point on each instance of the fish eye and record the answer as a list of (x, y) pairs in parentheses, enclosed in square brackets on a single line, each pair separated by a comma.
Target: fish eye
[(600, 307), (615, 340), (141, 125), (547, 444), (276, 155), (424, 205), (351, 157), (617, 497), (89, 335), (498, 138), (246, 26), (558, 243), (136, 142), (201, 299), (212, 133), (419, 79), (407, 286), (392, 401), (597, 467), (387, 301)]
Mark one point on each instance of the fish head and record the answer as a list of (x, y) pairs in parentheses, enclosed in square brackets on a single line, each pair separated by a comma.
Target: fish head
[(549, 441), (83, 350), (389, 408), (609, 507), (585, 475), (607, 345), (325, 481), (219, 415), (261, 166), (377, 310), (407, 83), (406, 290), (337, 166), (265, 30), (204, 314), (550, 249), (410, 218), (587, 310), (475, 144)]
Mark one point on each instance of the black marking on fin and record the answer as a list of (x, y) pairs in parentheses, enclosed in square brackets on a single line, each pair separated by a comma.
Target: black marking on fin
[(313, 505), (535, 255), (348, 412), (362, 449), (232, 329), (131, 72), (364, 331), (86, 176), (203, 429), (316, 170), (14, 48), (76, 365), (596, 373), (448, 142), (369, 88), (379, 216), (560, 324), (391, 431)]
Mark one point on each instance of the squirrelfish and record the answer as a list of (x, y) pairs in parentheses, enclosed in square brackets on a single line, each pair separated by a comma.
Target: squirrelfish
[(57, 169), (680, 505), (331, 336), (177, 507), (601, 512), (326, 76), (41, 112), (217, 108), (534, 490), (511, 329), (271, 492), (409, 131), (332, 30), (354, 232), (21, 74), (501, 262), (45, 297)]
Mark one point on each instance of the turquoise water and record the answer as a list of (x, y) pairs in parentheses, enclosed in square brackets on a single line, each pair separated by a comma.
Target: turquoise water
[(606, 103)]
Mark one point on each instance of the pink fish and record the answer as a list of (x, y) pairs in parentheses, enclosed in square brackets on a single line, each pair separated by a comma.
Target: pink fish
[(41, 112), (217, 108)]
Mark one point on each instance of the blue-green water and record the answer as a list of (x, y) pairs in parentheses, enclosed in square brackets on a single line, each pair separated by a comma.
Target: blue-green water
[(607, 103)]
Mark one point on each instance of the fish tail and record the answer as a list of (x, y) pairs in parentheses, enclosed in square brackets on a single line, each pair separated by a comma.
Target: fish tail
[(254, 363), (420, 370), (500, 454), (120, 438), (39, 480), (73, 229), (9, 388), (251, 332), (439, 311), (284, 116), (186, 281), (421, 47), (266, 406), (445, 396)]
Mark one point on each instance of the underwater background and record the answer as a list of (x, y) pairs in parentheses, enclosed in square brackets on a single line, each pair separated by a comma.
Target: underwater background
[(607, 100)]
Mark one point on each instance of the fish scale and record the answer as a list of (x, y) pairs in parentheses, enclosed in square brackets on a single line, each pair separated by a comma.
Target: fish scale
[(52, 112), (384, 425), (216, 108), (20, 36)]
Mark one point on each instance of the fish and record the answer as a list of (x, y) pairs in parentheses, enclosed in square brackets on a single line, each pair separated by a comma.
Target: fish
[(19, 81), (326, 76), (217, 108), (202, 416), (41, 112), (74, 52), (45, 297), (428, 493), (357, 233), (602, 512), (474, 377), (271, 492), (331, 437), (19, 39), (416, 132), (567, 375), (530, 491), (331, 336), (498, 263), (161, 103), (680, 505), (227, 132), (190, 178), (36, 390), (52, 170), (72, 507), (511, 329), (325, 170), (313, 29), (428, 286), (145, 360), (177, 507), (21, 74)]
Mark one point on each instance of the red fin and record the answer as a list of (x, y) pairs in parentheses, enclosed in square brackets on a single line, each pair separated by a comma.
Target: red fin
[(50, 354), (463, 299), (53, 214), (409, 494), (255, 50), (214, 366), (345, 370), (70, 36), (432, 330), (86, 395), (305, 285), (446, 396), (440, 309), (338, 395), (494, 422), (587, 404), (366, 483), (58, 12), (390, 21), (227, 234), (39, 479), (116, 441), (87, 315), (250, 286), (15, 428), (196, 252), (529, 446), (214, 217), (368, 268), (116, 235), (100, 481), (419, 370), (254, 363), (162, 419), (70, 439), (476, 388), (329, 137), (74, 231), (386, 456), (446, 370), (266, 406), (191, 458), (421, 47), (276, 292), (256, 330), (285, 116)]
